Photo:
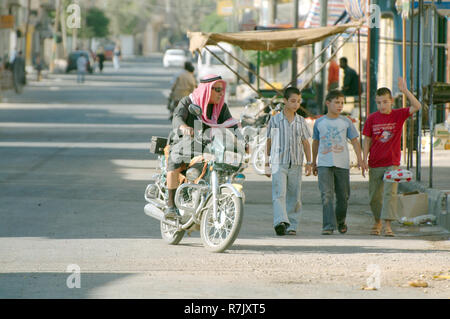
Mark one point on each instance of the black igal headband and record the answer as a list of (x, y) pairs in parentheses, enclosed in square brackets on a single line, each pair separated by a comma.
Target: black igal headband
[(211, 79)]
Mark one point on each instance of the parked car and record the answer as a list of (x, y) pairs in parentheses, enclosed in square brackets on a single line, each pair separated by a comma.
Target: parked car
[(72, 60), (109, 51), (174, 57)]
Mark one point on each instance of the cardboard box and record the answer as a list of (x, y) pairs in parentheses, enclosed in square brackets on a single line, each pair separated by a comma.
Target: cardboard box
[(412, 204)]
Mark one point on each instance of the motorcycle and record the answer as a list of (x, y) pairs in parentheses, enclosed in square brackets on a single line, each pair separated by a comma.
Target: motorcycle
[(210, 197)]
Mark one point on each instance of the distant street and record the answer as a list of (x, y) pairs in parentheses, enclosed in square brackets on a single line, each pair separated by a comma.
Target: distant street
[(74, 164)]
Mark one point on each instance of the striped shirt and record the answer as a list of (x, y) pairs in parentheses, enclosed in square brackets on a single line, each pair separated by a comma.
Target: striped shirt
[(286, 139)]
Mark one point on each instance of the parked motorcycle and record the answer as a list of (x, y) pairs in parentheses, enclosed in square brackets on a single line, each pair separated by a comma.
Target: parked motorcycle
[(254, 121), (210, 198)]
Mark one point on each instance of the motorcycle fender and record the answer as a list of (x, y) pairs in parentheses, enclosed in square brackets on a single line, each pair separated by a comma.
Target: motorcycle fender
[(235, 188)]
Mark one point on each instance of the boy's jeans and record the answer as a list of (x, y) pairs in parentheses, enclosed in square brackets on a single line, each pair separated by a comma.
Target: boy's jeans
[(334, 180), (383, 202), (286, 195)]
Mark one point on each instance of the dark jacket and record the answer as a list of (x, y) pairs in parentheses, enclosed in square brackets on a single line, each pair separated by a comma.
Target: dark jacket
[(181, 116), (351, 82)]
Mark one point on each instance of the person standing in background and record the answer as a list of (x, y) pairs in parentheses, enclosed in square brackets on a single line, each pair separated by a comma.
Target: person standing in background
[(81, 68), (116, 57), (333, 75)]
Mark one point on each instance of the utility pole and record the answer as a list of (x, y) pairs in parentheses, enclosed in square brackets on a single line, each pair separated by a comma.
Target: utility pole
[(27, 29), (74, 34), (373, 42), (274, 11), (322, 84), (64, 31), (419, 78), (294, 50), (55, 33)]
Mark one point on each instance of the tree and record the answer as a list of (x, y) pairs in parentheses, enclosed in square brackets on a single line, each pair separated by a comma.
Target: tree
[(214, 23), (129, 16), (268, 58), (97, 23)]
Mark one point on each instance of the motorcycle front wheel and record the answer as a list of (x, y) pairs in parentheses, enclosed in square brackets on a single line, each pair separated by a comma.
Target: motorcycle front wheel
[(170, 234), (218, 235)]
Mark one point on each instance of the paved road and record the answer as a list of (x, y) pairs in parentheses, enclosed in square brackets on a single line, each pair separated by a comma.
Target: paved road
[(73, 168)]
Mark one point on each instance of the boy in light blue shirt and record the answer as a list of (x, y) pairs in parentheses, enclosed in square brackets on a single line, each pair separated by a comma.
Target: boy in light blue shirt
[(332, 163)]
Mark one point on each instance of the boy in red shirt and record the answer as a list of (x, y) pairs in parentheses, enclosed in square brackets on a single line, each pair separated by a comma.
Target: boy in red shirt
[(383, 131)]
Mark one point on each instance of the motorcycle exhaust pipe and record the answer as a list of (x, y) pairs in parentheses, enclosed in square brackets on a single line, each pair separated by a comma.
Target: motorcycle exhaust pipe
[(153, 211)]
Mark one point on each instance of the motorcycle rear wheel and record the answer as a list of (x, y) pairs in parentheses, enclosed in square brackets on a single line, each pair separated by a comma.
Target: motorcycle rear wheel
[(170, 234), (258, 159), (220, 235)]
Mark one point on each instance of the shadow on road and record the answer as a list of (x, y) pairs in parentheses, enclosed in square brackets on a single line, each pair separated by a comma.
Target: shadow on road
[(53, 285)]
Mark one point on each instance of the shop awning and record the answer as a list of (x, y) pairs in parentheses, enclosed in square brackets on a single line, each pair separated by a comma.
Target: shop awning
[(269, 40)]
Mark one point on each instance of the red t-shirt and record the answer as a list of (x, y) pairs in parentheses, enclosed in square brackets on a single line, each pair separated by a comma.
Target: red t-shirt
[(385, 131), (333, 73)]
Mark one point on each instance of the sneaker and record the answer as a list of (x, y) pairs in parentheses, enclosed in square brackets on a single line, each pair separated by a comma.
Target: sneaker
[(327, 232), (280, 229), (171, 212)]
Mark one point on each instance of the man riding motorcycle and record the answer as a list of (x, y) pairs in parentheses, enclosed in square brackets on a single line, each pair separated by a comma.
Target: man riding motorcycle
[(209, 95)]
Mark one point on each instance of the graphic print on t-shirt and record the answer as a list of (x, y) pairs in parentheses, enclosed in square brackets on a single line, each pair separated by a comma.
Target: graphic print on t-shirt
[(384, 132), (332, 141)]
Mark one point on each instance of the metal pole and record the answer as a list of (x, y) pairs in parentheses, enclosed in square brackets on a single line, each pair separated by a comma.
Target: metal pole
[(404, 134), (373, 65), (359, 87), (419, 91), (258, 66), (323, 23), (411, 85), (294, 50), (430, 109), (368, 73)]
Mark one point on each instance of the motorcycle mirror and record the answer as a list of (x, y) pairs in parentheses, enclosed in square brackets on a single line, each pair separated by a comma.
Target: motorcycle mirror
[(195, 110)]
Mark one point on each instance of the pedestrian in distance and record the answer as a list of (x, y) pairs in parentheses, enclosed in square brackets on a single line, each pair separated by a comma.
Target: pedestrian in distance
[(19, 74), (116, 57), (38, 67), (287, 143), (382, 152), (184, 84), (351, 83), (101, 58), (81, 68), (331, 162)]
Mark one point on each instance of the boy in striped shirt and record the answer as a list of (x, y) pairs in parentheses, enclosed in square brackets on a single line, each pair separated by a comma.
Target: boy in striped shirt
[(287, 140)]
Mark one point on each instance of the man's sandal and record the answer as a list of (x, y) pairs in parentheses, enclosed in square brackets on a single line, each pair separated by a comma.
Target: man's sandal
[(388, 233), (376, 230)]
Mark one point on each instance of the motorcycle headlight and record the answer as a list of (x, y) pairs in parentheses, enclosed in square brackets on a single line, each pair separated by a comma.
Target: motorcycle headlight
[(192, 174), (239, 178)]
